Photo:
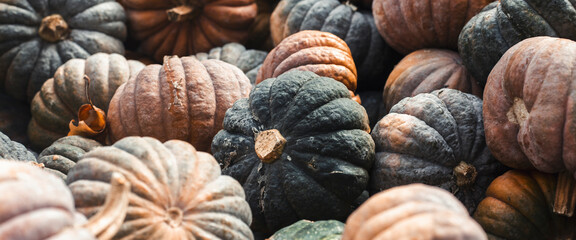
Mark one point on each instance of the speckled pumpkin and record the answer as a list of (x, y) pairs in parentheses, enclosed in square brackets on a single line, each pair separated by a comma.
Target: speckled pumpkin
[(373, 58), (14, 150), (426, 70), (320, 52), (61, 96), (65, 152), (177, 192), (311, 230), (518, 205), (502, 24), (438, 139), (414, 211), (37, 36), (300, 147), (182, 99), (186, 27), (530, 109)]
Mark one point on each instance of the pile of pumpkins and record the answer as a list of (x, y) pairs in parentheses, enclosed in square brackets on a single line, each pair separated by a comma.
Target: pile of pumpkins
[(289, 119)]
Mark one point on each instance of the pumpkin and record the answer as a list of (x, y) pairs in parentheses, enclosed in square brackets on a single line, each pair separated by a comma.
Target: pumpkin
[(177, 192), (249, 61), (14, 119), (60, 98), (518, 205), (413, 211), (189, 26), (14, 150), (65, 152), (502, 24), (40, 206), (373, 58), (438, 139), (529, 114), (411, 25), (37, 36), (320, 52), (306, 229), (426, 70), (182, 99), (300, 147)]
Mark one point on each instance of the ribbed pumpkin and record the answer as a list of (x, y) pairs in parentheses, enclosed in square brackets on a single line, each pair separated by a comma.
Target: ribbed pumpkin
[(530, 109), (502, 24), (186, 27), (414, 211), (426, 70), (14, 150), (438, 139), (182, 99), (37, 36), (372, 56), (38, 205), (61, 96), (312, 230), (410, 25), (320, 52), (177, 192), (65, 152), (300, 147), (14, 118), (248, 60), (518, 205)]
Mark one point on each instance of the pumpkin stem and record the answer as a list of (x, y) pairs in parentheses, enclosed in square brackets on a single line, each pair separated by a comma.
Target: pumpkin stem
[(465, 174), (106, 223), (518, 113), (269, 145), (53, 28), (565, 199), (183, 13)]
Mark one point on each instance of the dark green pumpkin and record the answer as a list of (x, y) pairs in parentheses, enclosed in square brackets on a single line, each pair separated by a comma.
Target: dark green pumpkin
[(437, 139), (37, 36), (65, 152), (502, 24), (372, 56), (310, 230), (14, 150), (323, 167)]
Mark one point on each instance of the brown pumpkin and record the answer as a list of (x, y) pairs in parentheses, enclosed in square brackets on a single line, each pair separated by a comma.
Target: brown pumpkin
[(182, 99), (426, 70), (410, 25), (185, 27)]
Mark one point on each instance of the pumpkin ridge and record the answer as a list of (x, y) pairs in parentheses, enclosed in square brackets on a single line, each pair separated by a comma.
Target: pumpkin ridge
[(204, 32), (308, 10), (336, 13)]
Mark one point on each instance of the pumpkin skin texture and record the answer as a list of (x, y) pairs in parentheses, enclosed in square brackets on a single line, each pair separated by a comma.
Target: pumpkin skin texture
[(372, 56), (426, 70), (61, 96), (38, 36), (248, 60), (414, 211), (177, 192), (306, 229), (65, 152), (188, 27), (529, 118), (182, 99), (502, 24), (323, 167), (14, 150), (518, 205), (411, 25), (437, 139), (320, 52)]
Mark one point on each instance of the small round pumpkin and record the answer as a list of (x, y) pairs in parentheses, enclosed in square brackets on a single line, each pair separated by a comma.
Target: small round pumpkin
[(320, 52), (306, 229), (37, 36), (182, 99), (177, 192), (410, 25), (187, 27), (414, 211), (14, 150), (300, 147), (61, 96), (38, 205), (502, 24), (65, 152), (426, 70), (435, 138), (530, 110), (518, 205)]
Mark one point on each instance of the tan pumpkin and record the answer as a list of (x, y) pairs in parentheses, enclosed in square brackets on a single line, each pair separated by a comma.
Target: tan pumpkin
[(182, 99)]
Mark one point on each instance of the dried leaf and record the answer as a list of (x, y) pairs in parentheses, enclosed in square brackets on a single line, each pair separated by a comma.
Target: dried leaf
[(91, 122)]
